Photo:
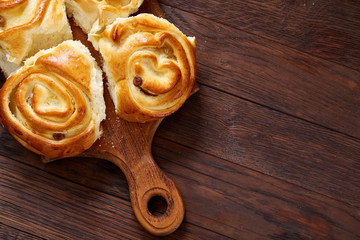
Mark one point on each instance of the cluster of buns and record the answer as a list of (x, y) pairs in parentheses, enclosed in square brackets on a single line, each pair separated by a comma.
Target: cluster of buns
[(52, 101)]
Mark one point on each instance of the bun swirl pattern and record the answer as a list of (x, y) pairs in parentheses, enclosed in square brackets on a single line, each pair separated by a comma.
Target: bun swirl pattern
[(27, 26), (54, 104), (150, 66)]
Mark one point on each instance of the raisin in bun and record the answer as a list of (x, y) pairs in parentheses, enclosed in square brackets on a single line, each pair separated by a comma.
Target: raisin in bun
[(29, 26), (149, 64), (54, 104), (102, 12)]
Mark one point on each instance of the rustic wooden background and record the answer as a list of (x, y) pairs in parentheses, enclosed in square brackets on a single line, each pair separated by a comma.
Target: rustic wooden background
[(269, 148)]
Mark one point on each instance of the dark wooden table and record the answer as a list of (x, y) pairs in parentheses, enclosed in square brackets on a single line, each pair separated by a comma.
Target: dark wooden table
[(269, 148)]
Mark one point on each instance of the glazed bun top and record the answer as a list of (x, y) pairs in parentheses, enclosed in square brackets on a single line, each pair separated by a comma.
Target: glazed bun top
[(54, 104), (149, 64), (29, 26), (86, 13)]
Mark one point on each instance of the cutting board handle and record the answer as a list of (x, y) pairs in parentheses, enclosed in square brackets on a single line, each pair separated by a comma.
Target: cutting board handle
[(146, 181)]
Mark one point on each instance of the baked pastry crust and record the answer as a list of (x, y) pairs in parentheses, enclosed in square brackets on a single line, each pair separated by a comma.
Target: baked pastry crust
[(86, 13), (54, 104), (29, 26), (150, 66)]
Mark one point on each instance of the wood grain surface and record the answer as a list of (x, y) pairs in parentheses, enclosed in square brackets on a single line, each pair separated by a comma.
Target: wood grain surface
[(269, 148), (326, 29)]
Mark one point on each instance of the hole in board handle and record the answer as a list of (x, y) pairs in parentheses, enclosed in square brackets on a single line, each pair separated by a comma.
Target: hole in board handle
[(157, 206)]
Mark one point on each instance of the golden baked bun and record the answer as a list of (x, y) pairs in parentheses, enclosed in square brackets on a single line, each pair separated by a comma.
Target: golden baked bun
[(27, 26), (149, 64), (54, 104), (102, 12)]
